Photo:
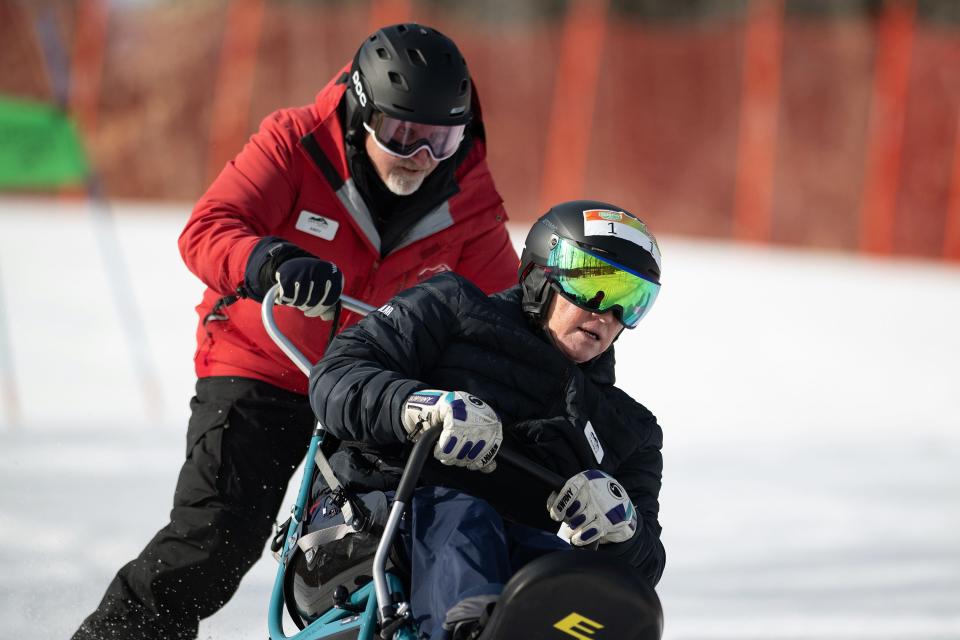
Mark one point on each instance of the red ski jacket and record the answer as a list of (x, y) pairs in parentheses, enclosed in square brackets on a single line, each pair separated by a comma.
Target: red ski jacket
[(291, 181)]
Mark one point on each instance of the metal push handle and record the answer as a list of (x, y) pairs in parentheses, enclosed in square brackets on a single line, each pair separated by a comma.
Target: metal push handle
[(282, 341)]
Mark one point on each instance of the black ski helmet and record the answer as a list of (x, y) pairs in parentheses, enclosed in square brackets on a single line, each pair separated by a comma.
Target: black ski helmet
[(584, 223), (410, 72)]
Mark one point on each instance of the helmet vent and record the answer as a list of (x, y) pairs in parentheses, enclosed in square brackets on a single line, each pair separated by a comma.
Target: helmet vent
[(398, 80), (383, 54), (400, 107), (463, 86), (401, 28), (416, 58)]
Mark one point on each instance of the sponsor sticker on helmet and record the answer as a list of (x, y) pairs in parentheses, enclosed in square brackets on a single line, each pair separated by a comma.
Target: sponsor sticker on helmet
[(620, 224)]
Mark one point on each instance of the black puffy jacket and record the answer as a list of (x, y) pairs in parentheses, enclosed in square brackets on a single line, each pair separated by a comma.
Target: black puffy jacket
[(446, 334)]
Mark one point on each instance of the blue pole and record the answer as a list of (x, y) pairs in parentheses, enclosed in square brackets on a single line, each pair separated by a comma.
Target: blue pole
[(275, 614)]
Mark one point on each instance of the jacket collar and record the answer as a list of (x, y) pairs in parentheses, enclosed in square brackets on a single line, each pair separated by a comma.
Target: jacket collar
[(601, 370)]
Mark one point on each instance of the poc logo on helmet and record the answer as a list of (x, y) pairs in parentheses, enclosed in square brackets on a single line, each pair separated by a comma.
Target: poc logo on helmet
[(358, 88)]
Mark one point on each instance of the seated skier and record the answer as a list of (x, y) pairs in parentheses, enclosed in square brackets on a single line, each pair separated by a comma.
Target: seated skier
[(532, 366)]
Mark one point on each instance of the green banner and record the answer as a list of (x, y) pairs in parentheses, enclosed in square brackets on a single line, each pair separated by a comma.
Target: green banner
[(39, 147)]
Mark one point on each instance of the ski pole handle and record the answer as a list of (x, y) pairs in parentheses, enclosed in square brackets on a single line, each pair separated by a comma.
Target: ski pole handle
[(554, 480)]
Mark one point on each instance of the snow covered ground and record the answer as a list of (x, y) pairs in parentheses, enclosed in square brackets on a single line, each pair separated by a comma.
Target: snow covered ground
[(810, 404)]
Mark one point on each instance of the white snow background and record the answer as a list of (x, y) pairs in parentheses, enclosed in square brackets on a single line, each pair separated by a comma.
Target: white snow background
[(810, 403)]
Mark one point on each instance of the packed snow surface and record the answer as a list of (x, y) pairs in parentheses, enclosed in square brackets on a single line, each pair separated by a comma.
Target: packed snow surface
[(810, 404)]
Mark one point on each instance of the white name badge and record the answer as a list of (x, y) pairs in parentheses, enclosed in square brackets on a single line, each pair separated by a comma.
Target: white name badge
[(317, 225), (594, 441)]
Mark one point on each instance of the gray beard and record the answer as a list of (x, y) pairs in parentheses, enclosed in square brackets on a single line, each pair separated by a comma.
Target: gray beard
[(401, 186)]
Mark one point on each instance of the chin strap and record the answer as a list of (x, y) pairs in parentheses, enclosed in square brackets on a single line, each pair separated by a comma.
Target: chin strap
[(537, 294)]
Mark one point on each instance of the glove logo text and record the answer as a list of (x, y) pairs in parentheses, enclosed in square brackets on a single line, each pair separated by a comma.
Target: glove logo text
[(428, 399), (615, 490), (490, 455), (564, 500)]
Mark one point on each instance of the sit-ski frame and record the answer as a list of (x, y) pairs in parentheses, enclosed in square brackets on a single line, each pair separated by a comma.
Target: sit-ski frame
[(365, 599)]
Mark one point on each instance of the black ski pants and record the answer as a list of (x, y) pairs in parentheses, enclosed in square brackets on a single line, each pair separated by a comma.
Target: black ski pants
[(244, 440)]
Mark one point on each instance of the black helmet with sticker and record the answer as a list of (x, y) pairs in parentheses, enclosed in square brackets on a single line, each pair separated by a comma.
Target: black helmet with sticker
[(596, 255)]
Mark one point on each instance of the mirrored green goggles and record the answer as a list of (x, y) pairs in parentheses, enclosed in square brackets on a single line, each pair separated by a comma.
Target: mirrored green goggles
[(597, 284)]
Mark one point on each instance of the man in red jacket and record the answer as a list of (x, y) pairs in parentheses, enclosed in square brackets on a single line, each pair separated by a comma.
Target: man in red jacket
[(379, 184)]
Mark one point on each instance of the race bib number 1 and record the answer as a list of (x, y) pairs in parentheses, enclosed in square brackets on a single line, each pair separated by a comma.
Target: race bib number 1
[(603, 222)]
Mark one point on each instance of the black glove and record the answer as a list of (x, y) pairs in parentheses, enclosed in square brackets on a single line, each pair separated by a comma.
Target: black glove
[(306, 282)]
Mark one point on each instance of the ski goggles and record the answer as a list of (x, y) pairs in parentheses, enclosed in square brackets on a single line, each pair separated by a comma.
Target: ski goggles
[(402, 138), (597, 284)]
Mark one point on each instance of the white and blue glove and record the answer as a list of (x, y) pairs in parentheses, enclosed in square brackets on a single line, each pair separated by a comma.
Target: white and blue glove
[(593, 507), (471, 434)]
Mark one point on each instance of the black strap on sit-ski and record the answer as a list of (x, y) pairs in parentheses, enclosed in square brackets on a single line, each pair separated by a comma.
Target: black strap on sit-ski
[(216, 313), (320, 159)]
